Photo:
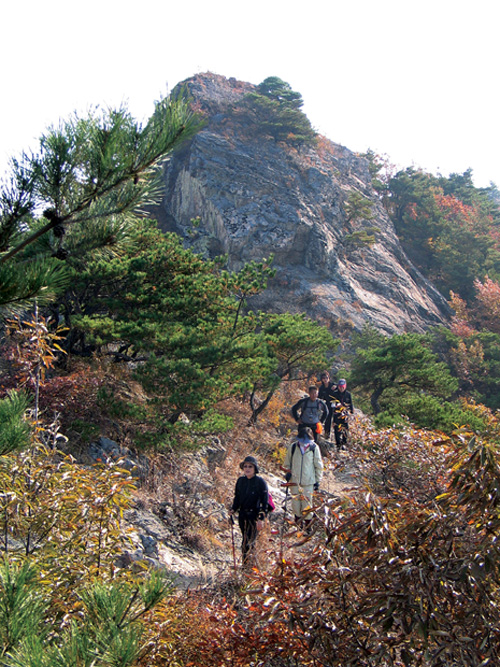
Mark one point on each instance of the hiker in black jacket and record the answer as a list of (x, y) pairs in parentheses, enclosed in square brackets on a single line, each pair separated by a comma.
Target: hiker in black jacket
[(325, 389), (251, 502), (341, 405), (310, 411)]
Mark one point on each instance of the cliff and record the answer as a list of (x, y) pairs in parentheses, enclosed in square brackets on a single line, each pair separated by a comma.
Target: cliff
[(256, 195)]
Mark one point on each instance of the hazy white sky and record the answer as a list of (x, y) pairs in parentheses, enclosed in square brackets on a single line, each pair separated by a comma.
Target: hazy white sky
[(417, 81)]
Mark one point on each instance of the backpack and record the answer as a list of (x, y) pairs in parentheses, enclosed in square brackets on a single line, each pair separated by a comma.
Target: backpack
[(304, 401), (312, 447), (270, 502)]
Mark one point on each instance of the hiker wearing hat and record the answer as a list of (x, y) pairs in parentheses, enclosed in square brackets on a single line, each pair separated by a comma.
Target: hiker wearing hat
[(304, 471), (341, 404), (310, 412), (251, 503)]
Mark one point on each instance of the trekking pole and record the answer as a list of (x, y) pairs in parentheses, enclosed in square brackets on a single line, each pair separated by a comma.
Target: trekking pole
[(282, 531), (231, 519), (287, 484), (284, 506)]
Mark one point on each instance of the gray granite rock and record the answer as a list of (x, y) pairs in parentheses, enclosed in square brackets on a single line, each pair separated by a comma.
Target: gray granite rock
[(258, 197)]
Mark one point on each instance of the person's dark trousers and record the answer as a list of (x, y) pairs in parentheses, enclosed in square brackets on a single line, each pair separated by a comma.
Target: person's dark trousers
[(340, 427), (328, 425), (312, 427), (248, 527)]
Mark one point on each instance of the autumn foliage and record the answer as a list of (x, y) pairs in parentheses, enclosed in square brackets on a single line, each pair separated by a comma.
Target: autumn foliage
[(402, 570)]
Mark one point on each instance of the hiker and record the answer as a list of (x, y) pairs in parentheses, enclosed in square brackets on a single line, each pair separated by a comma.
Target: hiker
[(310, 412), (304, 470), (341, 404), (251, 503), (324, 391)]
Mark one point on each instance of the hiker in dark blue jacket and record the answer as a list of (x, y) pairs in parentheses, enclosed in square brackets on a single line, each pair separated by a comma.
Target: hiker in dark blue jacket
[(251, 503), (341, 406)]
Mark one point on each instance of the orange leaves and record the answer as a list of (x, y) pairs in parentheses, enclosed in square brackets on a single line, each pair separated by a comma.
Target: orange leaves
[(488, 293), (487, 306), (454, 209), (483, 314)]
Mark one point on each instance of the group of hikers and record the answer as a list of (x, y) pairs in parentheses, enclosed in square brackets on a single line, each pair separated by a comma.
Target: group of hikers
[(329, 403), (303, 465)]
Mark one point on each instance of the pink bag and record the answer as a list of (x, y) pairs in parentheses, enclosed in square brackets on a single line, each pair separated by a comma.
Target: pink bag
[(270, 503)]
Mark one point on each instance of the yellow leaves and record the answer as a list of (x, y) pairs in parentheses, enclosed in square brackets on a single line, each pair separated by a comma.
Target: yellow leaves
[(67, 515), (36, 346)]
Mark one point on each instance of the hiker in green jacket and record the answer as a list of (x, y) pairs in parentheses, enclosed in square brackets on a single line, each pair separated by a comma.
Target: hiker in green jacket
[(304, 470)]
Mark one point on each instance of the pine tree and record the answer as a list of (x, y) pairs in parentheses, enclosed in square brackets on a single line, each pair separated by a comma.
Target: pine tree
[(91, 178), (275, 110), (294, 344), (391, 369), (183, 318), (15, 431), (280, 91), (91, 175)]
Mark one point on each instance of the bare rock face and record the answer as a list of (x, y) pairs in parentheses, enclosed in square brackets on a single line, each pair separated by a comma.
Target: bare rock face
[(255, 196)]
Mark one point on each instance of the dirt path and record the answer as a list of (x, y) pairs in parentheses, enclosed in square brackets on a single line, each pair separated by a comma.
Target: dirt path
[(192, 567), (194, 570)]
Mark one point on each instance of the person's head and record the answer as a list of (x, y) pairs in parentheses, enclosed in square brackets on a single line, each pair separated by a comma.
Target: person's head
[(342, 384), (325, 377), (306, 434), (249, 466), (313, 392)]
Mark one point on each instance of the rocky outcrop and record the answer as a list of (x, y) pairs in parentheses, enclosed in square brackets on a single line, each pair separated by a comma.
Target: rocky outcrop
[(255, 196)]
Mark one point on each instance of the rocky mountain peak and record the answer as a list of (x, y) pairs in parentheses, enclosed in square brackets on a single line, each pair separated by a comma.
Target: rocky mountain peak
[(258, 190)]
